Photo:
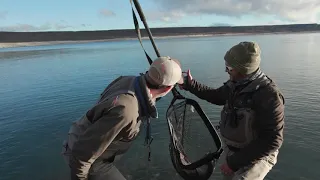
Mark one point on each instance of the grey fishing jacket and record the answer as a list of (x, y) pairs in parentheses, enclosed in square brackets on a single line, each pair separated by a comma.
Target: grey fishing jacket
[(107, 129)]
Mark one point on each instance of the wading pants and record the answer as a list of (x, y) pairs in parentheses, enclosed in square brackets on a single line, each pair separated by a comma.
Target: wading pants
[(258, 171), (99, 170)]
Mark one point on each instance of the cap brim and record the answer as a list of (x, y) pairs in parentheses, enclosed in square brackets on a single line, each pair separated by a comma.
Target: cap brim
[(181, 80)]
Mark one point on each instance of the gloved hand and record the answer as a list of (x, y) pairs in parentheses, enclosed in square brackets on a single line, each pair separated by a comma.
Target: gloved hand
[(187, 78)]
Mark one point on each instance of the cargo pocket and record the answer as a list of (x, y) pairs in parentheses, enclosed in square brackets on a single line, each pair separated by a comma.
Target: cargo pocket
[(236, 129)]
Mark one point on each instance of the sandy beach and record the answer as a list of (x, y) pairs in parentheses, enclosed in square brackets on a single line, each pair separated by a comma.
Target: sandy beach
[(43, 43), (25, 44)]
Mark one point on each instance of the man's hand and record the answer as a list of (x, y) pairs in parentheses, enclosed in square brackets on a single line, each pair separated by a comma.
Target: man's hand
[(225, 169), (189, 78)]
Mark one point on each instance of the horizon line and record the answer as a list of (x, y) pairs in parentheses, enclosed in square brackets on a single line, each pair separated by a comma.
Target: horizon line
[(168, 27)]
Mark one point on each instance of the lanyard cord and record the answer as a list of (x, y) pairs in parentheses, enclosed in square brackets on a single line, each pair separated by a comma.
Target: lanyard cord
[(148, 138)]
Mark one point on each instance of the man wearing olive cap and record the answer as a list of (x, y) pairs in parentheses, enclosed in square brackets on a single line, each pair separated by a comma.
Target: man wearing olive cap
[(105, 131), (252, 118)]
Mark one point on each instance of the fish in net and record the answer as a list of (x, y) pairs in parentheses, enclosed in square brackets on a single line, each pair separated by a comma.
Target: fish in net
[(195, 145)]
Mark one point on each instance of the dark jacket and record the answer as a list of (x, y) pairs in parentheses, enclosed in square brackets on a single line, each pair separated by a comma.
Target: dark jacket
[(267, 103)]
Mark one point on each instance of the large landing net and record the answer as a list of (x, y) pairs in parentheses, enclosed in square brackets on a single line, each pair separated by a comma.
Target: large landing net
[(195, 145)]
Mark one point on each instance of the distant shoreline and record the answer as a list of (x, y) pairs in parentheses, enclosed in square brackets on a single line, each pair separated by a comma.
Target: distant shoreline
[(43, 43), (41, 38)]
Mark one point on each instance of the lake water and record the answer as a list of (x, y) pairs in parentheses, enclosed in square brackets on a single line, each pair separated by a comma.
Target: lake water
[(43, 89)]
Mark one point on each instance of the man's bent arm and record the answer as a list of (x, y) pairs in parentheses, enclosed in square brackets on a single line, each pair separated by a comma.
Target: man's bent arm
[(270, 117), (96, 139), (216, 96)]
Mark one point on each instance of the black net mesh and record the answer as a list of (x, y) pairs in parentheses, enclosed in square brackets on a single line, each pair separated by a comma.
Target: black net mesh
[(191, 139)]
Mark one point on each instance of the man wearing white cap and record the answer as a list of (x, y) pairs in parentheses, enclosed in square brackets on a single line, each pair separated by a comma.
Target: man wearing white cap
[(105, 131)]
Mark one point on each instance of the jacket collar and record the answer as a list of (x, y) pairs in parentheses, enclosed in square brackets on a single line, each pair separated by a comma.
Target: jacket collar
[(148, 107), (252, 83)]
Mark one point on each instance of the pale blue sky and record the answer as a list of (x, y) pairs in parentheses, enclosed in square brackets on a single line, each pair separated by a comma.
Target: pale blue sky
[(40, 15)]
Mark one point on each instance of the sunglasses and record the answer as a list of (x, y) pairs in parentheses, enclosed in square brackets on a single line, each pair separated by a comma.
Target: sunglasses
[(228, 68)]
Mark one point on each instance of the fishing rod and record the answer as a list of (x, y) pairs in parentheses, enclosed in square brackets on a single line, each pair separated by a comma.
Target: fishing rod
[(175, 92), (143, 19)]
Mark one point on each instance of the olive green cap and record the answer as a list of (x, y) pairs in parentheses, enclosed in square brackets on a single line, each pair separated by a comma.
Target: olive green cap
[(244, 57)]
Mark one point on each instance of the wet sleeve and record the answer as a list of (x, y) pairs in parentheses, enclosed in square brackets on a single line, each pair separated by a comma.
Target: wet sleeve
[(216, 96), (96, 139), (270, 121)]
